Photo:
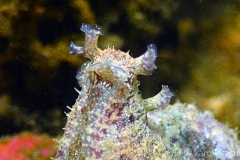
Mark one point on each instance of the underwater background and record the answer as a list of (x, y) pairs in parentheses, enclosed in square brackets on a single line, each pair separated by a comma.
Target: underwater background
[(198, 46)]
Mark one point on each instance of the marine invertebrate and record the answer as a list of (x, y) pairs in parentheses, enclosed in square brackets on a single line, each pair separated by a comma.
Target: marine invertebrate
[(110, 120)]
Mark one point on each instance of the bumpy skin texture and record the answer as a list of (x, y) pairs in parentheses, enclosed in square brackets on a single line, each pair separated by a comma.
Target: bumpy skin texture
[(110, 120)]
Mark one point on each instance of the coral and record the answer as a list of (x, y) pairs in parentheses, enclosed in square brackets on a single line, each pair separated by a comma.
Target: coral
[(27, 146), (110, 120)]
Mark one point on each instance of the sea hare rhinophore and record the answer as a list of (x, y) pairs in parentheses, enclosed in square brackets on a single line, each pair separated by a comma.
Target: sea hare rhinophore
[(111, 121)]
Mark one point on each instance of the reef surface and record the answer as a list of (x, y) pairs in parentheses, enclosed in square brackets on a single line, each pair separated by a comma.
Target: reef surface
[(110, 120)]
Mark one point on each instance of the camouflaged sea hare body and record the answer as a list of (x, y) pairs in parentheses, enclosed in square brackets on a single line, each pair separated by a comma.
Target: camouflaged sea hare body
[(111, 121)]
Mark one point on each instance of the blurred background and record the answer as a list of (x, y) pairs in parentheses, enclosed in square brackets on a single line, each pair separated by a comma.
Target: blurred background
[(198, 45)]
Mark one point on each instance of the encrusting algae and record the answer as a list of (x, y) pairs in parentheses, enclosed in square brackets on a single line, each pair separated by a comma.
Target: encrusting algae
[(110, 120)]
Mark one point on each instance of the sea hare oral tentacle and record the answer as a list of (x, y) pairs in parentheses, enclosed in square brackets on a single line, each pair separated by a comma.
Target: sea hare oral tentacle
[(111, 121)]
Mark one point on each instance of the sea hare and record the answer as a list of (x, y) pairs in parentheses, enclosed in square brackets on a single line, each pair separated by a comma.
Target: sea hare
[(111, 121)]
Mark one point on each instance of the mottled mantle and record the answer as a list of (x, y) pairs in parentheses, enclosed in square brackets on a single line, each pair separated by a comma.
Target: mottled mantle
[(110, 120)]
